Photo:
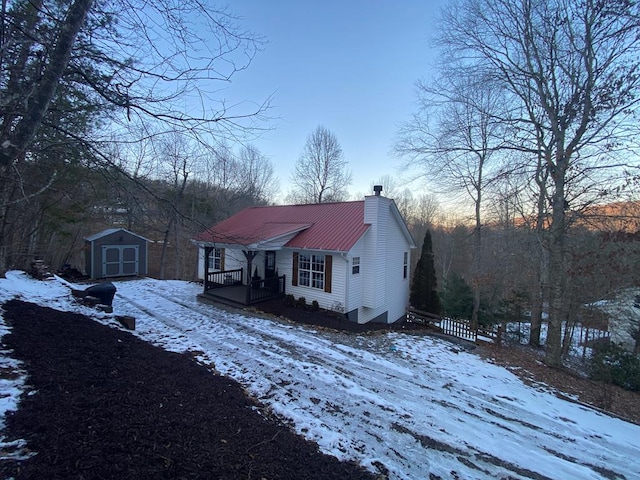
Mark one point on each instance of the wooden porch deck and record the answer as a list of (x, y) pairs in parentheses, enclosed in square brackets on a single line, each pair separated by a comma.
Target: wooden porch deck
[(234, 296), (238, 295)]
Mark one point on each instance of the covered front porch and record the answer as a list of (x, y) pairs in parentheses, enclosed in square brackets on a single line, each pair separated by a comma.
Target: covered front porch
[(234, 287)]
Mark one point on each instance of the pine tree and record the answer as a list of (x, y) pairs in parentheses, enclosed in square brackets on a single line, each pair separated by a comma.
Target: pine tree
[(424, 295), (457, 297)]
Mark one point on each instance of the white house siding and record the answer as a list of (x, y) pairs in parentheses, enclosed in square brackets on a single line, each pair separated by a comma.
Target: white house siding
[(329, 301), (200, 263), (357, 284), (354, 283), (385, 293), (234, 259), (397, 286), (376, 213)]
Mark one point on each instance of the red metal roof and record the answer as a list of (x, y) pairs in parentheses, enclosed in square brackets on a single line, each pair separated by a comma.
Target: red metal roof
[(324, 226)]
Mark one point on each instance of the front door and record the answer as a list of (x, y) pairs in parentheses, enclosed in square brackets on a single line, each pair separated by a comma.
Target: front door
[(269, 264)]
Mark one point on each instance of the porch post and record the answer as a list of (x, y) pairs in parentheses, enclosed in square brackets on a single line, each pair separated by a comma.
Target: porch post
[(207, 253), (249, 255)]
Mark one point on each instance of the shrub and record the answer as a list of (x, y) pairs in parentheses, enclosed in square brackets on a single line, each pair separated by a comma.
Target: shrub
[(290, 300), (315, 305), (302, 302), (337, 307), (611, 363)]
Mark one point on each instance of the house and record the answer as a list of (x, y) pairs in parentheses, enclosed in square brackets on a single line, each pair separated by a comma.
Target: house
[(115, 252), (349, 257), (621, 312)]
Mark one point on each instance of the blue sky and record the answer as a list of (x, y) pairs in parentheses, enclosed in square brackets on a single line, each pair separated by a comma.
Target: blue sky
[(348, 65)]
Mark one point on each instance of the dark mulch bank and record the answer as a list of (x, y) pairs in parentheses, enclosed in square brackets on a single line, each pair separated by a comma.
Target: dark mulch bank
[(108, 405)]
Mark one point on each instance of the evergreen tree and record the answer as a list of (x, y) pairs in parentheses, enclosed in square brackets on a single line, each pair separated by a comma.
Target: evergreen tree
[(457, 298), (424, 295)]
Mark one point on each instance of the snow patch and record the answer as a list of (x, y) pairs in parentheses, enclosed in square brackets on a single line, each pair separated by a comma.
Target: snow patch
[(409, 406)]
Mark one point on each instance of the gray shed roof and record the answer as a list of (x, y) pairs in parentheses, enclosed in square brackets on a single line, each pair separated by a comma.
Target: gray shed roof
[(109, 231)]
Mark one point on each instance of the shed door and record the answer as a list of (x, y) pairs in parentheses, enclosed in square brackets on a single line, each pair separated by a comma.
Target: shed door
[(119, 260)]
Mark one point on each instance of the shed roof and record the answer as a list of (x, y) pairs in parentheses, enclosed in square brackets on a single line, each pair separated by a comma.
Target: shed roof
[(110, 231), (324, 226)]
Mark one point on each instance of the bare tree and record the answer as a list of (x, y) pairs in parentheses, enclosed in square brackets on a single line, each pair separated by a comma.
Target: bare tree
[(427, 210), (454, 139), (570, 69), (257, 177), (320, 174)]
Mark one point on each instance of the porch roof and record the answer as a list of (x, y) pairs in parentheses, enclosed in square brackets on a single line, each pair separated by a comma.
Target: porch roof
[(254, 235), (324, 226)]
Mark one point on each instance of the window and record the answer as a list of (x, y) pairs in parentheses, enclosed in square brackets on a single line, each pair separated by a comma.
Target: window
[(311, 270), (355, 265), (215, 259), (405, 268)]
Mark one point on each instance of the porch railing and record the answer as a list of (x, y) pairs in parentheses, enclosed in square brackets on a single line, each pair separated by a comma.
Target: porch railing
[(224, 278), (454, 327), (264, 288), (458, 328)]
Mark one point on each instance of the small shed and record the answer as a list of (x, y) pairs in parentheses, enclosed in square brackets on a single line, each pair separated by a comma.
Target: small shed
[(115, 252)]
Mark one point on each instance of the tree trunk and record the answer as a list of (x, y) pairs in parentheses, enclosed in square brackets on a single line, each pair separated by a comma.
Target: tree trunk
[(13, 144), (477, 252), (163, 255), (17, 69), (539, 292), (8, 187), (476, 305), (557, 271), (537, 303), (541, 267), (571, 316)]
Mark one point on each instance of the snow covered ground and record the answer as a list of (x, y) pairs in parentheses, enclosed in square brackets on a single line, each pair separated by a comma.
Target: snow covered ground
[(405, 404)]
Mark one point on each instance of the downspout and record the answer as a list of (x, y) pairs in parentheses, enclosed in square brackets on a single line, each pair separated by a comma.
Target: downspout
[(346, 286), (93, 259)]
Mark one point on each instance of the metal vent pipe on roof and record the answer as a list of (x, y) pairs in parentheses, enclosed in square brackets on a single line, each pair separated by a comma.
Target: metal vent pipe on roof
[(377, 189)]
